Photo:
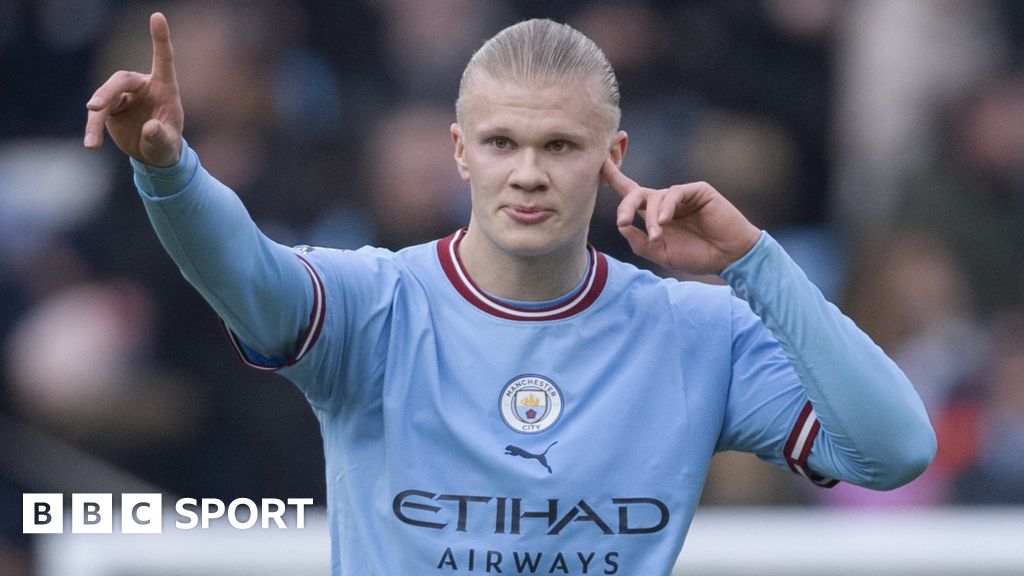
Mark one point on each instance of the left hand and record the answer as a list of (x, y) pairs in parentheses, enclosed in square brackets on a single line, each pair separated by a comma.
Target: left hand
[(690, 227)]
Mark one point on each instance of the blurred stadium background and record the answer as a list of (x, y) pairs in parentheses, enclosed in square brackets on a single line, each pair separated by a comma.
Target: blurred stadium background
[(882, 142)]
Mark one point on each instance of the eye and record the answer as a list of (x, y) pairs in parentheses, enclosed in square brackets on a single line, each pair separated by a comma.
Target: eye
[(558, 146), (500, 143)]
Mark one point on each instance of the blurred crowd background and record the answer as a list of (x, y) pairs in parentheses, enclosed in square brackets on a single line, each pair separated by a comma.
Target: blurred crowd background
[(881, 141)]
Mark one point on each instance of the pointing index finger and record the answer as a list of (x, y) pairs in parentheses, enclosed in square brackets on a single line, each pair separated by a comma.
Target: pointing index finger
[(616, 179), (163, 52)]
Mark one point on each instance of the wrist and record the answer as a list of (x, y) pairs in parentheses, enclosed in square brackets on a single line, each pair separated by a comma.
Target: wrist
[(742, 251), (157, 180), (167, 158), (743, 247)]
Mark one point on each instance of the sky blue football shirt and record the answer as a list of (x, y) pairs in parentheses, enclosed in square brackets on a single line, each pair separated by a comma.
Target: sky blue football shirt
[(469, 435)]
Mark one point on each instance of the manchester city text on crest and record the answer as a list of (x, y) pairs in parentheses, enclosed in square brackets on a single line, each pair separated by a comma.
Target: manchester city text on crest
[(530, 403)]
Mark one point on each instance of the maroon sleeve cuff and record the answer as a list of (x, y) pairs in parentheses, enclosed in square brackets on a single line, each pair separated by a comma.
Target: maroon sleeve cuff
[(798, 446)]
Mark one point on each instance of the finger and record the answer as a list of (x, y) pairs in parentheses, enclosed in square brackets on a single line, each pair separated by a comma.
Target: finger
[(671, 201), (163, 52), (107, 98), (109, 94), (629, 207), (619, 182), (125, 101), (655, 200), (94, 124), (638, 241)]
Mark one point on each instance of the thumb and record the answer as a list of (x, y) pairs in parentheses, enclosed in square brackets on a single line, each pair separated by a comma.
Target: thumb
[(160, 145)]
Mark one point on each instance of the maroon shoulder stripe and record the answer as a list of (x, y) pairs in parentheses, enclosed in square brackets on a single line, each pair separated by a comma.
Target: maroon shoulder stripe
[(593, 284), (317, 314)]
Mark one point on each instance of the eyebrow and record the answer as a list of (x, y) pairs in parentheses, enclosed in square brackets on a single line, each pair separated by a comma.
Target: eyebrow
[(573, 136), (499, 130)]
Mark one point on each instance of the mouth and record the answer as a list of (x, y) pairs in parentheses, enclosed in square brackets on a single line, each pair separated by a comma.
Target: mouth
[(526, 214)]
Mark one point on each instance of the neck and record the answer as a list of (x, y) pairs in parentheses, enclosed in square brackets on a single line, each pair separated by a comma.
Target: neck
[(517, 277)]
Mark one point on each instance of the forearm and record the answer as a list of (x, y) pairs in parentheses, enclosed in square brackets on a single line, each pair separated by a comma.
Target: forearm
[(259, 288), (875, 429)]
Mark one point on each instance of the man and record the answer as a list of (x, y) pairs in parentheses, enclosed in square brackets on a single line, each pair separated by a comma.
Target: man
[(508, 399)]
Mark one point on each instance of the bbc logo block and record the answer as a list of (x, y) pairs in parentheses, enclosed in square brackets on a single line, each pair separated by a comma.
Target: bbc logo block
[(42, 513), (141, 514), (92, 514)]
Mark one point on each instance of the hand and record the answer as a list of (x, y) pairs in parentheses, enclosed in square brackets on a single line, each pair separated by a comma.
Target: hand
[(142, 112), (690, 227)]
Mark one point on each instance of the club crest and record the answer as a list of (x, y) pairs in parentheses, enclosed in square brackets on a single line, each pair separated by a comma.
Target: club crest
[(530, 403)]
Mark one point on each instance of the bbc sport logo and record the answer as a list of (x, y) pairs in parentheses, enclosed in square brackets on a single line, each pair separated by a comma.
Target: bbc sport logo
[(94, 513)]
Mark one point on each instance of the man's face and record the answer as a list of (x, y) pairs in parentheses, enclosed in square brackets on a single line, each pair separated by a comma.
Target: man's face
[(533, 158)]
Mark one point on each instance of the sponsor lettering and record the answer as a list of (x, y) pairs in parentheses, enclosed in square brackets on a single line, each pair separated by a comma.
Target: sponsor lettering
[(519, 562), (509, 515)]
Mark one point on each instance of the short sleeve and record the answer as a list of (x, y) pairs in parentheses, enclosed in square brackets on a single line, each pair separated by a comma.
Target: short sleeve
[(345, 344)]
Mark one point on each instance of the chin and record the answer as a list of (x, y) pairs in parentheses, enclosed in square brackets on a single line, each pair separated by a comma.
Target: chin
[(525, 245), (529, 242)]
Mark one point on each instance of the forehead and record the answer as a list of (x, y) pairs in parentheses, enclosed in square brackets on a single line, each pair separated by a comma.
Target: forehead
[(501, 104)]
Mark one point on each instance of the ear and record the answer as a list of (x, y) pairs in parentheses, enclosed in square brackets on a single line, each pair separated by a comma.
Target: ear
[(617, 149), (460, 151)]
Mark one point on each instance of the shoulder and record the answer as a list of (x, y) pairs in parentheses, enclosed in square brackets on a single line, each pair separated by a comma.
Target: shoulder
[(687, 298), (332, 260), (644, 283)]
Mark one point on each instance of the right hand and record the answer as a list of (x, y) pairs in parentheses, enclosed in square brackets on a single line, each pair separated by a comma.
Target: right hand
[(142, 112)]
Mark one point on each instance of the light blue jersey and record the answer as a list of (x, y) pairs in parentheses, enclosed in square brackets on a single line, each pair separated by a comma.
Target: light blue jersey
[(469, 435)]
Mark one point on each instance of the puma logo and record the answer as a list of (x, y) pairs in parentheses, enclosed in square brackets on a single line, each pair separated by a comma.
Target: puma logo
[(511, 450)]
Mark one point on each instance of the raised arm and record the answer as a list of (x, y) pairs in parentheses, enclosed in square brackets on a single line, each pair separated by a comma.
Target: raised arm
[(263, 291), (874, 429)]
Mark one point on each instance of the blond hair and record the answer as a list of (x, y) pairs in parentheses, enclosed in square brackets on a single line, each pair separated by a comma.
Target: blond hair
[(541, 52)]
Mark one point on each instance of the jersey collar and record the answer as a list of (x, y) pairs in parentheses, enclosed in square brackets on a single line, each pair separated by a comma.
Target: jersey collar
[(580, 300)]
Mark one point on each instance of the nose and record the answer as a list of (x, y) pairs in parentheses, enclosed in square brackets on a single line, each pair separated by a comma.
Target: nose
[(527, 173)]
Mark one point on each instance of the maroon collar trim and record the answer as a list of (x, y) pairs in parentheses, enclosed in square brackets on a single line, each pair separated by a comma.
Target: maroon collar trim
[(593, 284)]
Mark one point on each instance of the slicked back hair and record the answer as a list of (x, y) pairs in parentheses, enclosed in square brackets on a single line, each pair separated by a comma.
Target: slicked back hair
[(540, 53)]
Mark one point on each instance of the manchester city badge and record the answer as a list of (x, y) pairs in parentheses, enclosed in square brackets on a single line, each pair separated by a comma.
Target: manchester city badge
[(530, 403)]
